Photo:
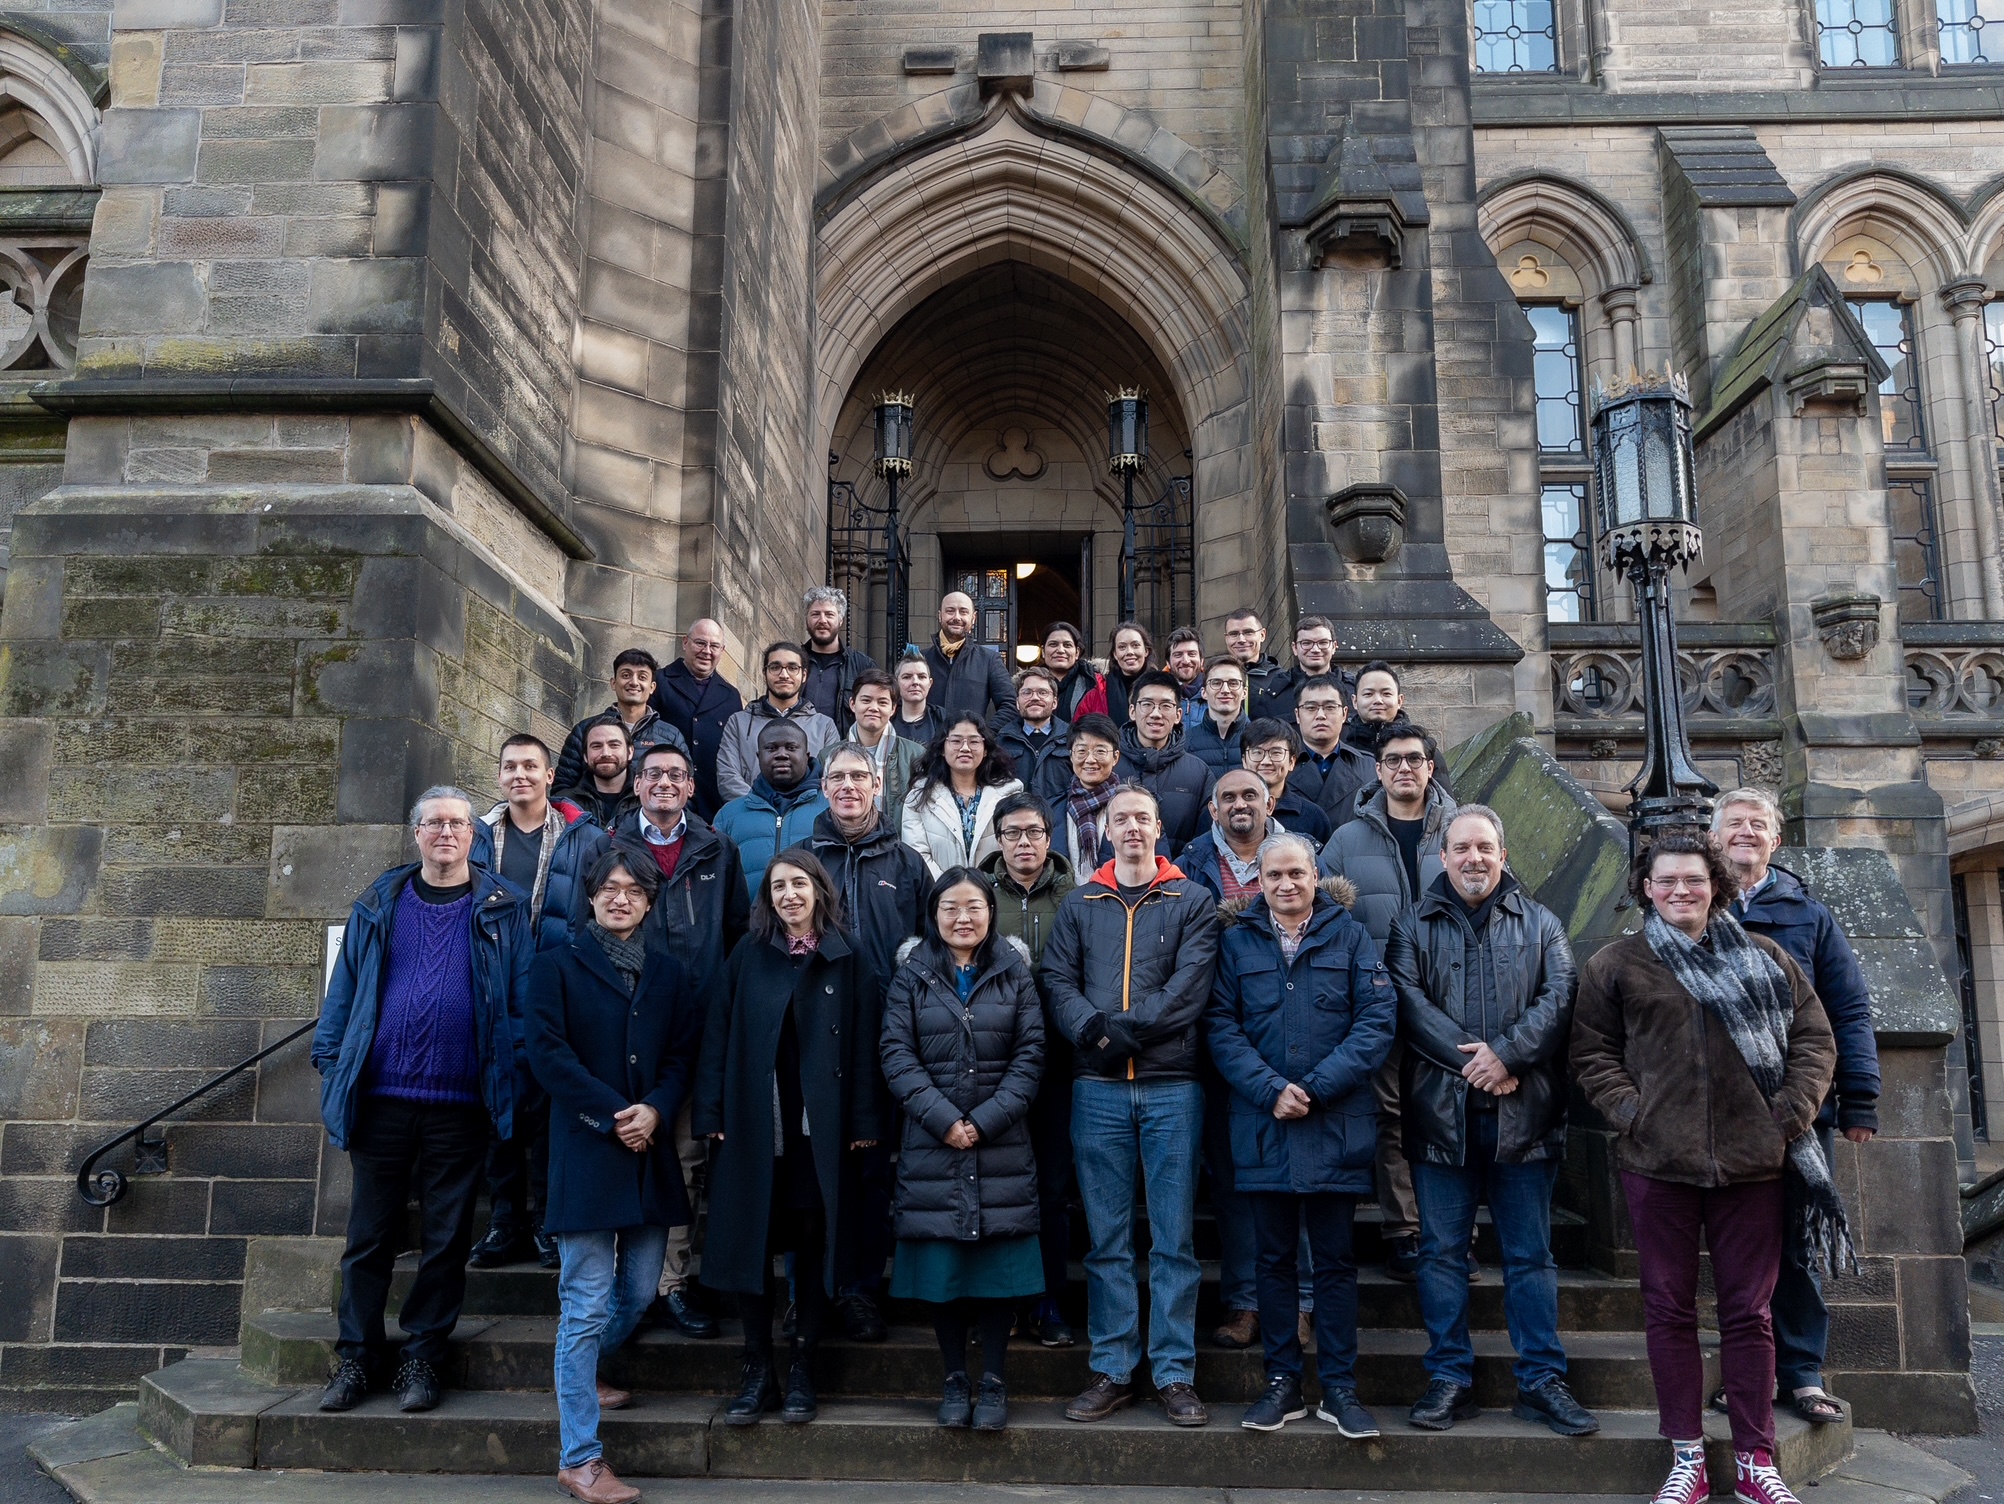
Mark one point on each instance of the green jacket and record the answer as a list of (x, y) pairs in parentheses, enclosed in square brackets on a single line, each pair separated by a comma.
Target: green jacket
[(1029, 916)]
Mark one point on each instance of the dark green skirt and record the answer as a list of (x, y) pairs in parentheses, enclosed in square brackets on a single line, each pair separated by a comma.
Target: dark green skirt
[(939, 1270)]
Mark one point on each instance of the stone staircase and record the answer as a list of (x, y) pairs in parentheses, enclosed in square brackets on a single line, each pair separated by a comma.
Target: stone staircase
[(877, 1401)]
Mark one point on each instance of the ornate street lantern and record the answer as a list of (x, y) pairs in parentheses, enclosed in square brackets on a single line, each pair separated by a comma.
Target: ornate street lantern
[(1126, 453), (1647, 498), (894, 463)]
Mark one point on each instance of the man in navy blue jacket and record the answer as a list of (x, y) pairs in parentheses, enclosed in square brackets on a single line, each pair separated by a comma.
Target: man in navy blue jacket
[(419, 1051), (1746, 826), (697, 700)]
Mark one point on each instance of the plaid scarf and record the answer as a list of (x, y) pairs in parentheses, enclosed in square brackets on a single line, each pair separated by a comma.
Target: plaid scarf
[(554, 825), (1745, 989), (1085, 806), (628, 957)]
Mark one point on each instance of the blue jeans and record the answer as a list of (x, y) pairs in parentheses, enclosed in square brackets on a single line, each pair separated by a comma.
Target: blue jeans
[(607, 1282), (1325, 1223), (1520, 1204), (1801, 1320), (1157, 1129)]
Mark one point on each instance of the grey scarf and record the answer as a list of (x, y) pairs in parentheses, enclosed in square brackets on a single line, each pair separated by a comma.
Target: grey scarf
[(628, 957), (1743, 987)]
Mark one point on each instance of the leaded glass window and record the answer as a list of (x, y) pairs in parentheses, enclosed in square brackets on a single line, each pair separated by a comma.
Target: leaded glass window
[(1561, 415), (1972, 31), (1516, 36), (1890, 328), (1858, 33), (1916, 553), (1569, 593)]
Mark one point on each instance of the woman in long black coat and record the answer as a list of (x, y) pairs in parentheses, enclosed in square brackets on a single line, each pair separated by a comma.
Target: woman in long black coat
[(784, 1090), (611, 1035), (963, 1050)]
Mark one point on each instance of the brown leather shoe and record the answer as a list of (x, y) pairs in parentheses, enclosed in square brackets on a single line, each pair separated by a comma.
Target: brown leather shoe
[(1240, 1331), (612, 1399), (1184, 1408), (1304, 1330), (595, 1483), (1101, 1398)]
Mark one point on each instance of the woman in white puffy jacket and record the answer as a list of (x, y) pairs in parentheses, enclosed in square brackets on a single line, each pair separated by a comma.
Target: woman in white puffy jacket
[(949, 815)]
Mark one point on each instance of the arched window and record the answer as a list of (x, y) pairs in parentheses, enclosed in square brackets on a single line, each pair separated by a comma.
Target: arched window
[(47, 125)]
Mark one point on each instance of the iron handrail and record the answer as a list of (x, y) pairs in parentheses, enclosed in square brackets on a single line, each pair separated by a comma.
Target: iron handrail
[(104, 1187)]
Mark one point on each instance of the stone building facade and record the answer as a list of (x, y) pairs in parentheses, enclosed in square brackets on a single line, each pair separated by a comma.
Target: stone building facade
[(380, 367)]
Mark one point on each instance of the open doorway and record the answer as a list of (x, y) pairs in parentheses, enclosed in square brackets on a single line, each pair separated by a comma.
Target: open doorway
[(1020, 586)]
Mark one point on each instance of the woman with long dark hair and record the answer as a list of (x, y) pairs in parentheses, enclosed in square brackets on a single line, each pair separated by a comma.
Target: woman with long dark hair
[(949, 815), (963, 1050), (1706, 1051), (1130, 654), (785, 1089)]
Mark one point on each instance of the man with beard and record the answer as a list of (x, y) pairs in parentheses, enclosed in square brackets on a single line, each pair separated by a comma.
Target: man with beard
[(1186, 662), (831, 667), (966, 675), (784, 666), (605, 792)]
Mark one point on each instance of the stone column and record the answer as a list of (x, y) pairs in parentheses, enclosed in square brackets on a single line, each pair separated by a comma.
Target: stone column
[(1620, 305), (1972, 463)]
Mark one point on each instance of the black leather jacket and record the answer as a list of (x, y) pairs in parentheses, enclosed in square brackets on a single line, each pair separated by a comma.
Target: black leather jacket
[(1524, 1014)]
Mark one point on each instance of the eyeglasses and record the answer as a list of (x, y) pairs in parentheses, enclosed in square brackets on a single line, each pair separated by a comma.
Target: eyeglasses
[(1259, 756), (964, 743), (1155, 703), (633, 892), (853, 775), (662, 775), (1091, 752), (440, 827), (1396, 760), (784, 668), (1681, 884), (1016, 833)]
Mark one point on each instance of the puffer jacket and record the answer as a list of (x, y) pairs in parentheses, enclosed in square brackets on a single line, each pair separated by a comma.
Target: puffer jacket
[(569, 839), (650, 731), (1365, 851), (1324, 1022), (932, 824), (1666, 1077), (1218, 753), (1179, 780), (1520, 1003), (765, 822), (1800, 923), (1128, 986), (700, 912), (945, 1060), (883, 884), (737, 751)]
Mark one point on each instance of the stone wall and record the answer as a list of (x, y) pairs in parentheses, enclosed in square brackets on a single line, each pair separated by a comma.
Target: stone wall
[(218, 705)]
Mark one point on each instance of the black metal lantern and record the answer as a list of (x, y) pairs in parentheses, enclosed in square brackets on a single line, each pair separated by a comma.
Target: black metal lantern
[(894, 462), (1646, 494), (1126, 453)]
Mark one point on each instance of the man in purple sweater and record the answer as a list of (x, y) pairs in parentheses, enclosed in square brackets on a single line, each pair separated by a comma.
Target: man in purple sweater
[(419, 1051)]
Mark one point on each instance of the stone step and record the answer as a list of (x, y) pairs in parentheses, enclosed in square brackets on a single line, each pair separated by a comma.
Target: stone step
[(1588, 1300), (1606, 1369), (208, 1413)]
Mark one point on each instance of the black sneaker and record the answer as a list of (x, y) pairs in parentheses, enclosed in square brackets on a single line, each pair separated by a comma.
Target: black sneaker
[(502, 1245), (1552, 1404), (859, 1317), (1444, 1403), (416, 1386), (1402, 1260), (956, 1402), (991, 1406), (548, 1254), (1053, 1330), (757, 1394), (346, 1386), (1350, 1419), (1280, 1404)]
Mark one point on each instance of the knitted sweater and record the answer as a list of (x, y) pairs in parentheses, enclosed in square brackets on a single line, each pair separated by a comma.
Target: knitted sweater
[(425, 1049)]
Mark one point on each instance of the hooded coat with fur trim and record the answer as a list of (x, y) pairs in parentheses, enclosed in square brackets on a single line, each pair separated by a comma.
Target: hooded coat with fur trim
[(980, 1060), (1324, 1021)]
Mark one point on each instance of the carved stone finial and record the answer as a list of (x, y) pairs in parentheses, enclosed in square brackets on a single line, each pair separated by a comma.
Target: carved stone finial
[(1848, 623)]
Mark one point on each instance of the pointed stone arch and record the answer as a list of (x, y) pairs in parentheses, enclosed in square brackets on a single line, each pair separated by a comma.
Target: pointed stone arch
[(1921, 222), (48, 102), (1589, 230)]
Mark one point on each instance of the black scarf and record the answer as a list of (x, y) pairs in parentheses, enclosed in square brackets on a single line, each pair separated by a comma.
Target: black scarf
[(628, 957)]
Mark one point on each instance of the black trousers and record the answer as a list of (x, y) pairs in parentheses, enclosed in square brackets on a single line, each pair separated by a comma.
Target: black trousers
[(1051, 1148), (872, 1177), (398, 1147), (518, 1168)]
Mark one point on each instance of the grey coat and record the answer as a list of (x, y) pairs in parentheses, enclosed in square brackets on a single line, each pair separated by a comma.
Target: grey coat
[(980, 1060), (1365, 851), (737, 752)]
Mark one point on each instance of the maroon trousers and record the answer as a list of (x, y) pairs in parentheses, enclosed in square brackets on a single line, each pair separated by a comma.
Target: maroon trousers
[(1742, 1225)]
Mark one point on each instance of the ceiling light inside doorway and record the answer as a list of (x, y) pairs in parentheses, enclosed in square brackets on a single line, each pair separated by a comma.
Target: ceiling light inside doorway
[(1024, 571), (1028, 653)]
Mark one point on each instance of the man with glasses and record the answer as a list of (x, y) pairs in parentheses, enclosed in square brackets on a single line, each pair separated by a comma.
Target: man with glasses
[(698, 701), (1034, 737), (1245, 640), (1271, 749), (1218, 735), (418, 1049), (1153, 746), (1391, 852), (1031, 880), (784, 666), (700, 909), (883, 885), (1079, 802), (1331, 771), (1314, 658)]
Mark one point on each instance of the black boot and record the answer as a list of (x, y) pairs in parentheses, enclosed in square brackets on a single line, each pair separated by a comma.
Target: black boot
[(758, 1393), (801, 1406)]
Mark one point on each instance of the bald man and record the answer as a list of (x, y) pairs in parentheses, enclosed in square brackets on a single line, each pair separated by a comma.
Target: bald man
[(966, 675), (693, 697)]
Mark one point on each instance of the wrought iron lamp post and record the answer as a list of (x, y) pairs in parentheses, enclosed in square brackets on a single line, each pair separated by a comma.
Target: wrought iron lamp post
[(1647, 497), (894, 462), (1126, 453)]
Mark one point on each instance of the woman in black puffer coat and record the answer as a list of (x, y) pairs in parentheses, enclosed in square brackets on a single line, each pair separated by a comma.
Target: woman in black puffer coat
[(963, 1050)]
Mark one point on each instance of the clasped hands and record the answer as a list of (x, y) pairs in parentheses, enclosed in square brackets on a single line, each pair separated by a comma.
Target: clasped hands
[(636, 1125), (1485, 1071)]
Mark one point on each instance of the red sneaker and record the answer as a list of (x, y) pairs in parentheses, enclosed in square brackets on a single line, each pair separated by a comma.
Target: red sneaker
[(1756, 1482), (1687, 1483)]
